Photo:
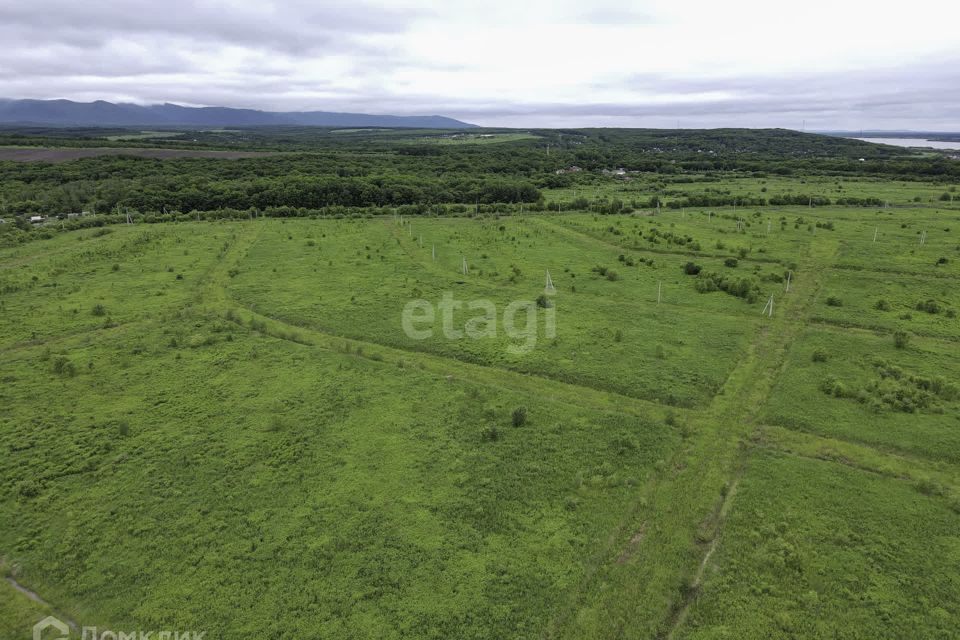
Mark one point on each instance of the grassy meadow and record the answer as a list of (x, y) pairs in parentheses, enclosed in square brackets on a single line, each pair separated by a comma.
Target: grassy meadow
[(223, 426)]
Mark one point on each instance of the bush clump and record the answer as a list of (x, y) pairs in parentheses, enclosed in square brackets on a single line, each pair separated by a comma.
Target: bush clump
[(901, 339), (519, 416), (930, 306), (62, 366), (746, 288), (490, 433)]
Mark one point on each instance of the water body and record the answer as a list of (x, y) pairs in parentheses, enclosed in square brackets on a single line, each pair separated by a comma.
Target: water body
[(913, 142)]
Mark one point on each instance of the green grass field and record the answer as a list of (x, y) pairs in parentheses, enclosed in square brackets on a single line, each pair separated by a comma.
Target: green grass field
[(224, 426), (643, 186), (145, 135)]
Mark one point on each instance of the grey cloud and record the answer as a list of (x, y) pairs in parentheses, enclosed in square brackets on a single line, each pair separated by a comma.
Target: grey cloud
[(294, 27), (148, 52)]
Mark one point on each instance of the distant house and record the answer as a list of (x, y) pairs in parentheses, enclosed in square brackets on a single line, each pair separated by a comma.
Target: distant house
[(36, 219), (571, 169)]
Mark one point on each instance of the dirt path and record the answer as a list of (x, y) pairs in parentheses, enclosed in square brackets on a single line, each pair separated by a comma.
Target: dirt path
[(648, 595), (34, 596)]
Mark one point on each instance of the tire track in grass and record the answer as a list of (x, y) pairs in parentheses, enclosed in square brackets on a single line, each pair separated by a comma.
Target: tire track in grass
[(792, 323), (212, 294), (647, 596), (35, 597)]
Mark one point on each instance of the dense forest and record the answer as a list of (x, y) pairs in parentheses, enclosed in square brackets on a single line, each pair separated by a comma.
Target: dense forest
[(315, 169)]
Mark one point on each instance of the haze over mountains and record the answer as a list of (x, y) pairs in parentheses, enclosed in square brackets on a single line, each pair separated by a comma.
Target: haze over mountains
[(101, 113)]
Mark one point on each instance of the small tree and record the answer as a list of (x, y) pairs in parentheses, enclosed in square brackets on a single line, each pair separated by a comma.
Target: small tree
[(62, 366), (519, 417), (901, 339)]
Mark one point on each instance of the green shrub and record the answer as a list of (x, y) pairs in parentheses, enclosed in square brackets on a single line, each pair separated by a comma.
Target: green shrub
[(731, 262), (29, 488), (519, 416), (99, 310), (819, 355), (490, 433), (901, 339), (882, 305), (62, 366), (692, 269), (834, 301), (930, 488), (833, 387), (930, 306)]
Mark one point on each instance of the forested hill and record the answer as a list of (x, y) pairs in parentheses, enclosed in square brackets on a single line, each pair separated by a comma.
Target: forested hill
[(320, 168), (585, 145)]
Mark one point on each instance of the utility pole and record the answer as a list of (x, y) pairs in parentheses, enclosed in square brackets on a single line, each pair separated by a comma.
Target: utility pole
[(768, 308)]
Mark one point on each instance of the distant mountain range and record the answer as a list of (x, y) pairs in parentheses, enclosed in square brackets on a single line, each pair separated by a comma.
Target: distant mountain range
[(65, 113)]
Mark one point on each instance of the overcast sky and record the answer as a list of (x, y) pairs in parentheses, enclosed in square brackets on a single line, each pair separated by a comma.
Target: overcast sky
[(847, 64)]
